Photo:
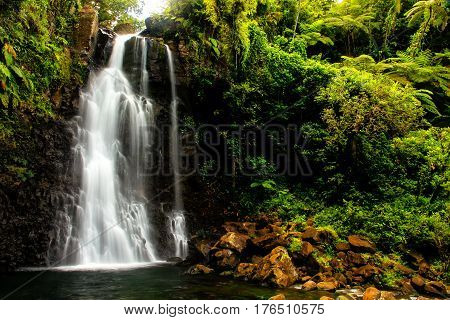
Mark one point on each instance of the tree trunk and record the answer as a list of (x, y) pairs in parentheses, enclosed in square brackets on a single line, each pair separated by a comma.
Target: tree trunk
[(296, 20)]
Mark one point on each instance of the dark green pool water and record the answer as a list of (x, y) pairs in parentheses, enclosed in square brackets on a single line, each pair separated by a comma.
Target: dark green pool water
[(162, 282)]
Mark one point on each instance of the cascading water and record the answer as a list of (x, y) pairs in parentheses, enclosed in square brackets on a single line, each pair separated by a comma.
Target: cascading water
[(177, 218), (107, 221), (111, 224)]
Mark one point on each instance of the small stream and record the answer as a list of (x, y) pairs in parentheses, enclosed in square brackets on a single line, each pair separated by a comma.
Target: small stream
[(155, 282)]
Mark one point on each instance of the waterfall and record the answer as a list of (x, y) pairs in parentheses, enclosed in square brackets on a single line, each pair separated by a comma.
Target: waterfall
[(111, 223), (177, 218), (107, 220)]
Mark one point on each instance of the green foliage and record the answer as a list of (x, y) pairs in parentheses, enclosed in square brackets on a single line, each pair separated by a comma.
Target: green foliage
[(113, 11), (389, 279), (295, 245), (35, 62), (429, 13)]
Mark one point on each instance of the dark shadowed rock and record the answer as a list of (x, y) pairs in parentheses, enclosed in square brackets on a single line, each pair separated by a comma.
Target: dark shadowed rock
[(225, 259), (355, 259), (435, 288), (248, 228), (245, 270), (269, 242), (406, 287)]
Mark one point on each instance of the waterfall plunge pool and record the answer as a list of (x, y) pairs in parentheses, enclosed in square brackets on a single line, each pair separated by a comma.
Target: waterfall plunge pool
[(137, 282)]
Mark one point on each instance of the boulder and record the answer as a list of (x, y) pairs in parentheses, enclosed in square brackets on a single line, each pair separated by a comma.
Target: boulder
[(343, 246), (387, 295), (278, 297), (225, 259), (247, 228), (406, 287), (203, 247), (310, 233), (307, 249), (355, 259), (341, 255), (418, 283), (340, 278), (324, 235), (277, 228), (367, 271), (435, 288), (361, 244), (269, 242), (245, 270), (372, 294), (277, 269), (309, 286), (234, 241), (199, 269), (328, 285)]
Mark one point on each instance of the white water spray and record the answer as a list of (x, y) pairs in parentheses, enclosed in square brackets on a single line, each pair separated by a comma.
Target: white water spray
[(177, 219), (111, 225)]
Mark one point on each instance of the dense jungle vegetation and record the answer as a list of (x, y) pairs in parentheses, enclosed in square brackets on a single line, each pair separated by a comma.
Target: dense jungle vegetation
[(367, 81)]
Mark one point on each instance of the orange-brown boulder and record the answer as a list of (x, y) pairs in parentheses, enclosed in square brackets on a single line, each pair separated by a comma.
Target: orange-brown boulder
[(307, 249), (277, 269), (343, 246), (361, 244), (328, 285), (199, 269), (372, 294), (367, 271), (278, 297), (309, 286), (234, 241)]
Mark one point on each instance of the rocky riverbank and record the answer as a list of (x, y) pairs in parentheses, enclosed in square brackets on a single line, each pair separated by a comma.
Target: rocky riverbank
[(308, 258)]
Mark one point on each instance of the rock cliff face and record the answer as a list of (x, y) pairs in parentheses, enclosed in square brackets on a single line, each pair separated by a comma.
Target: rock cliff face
[(30, 212)]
